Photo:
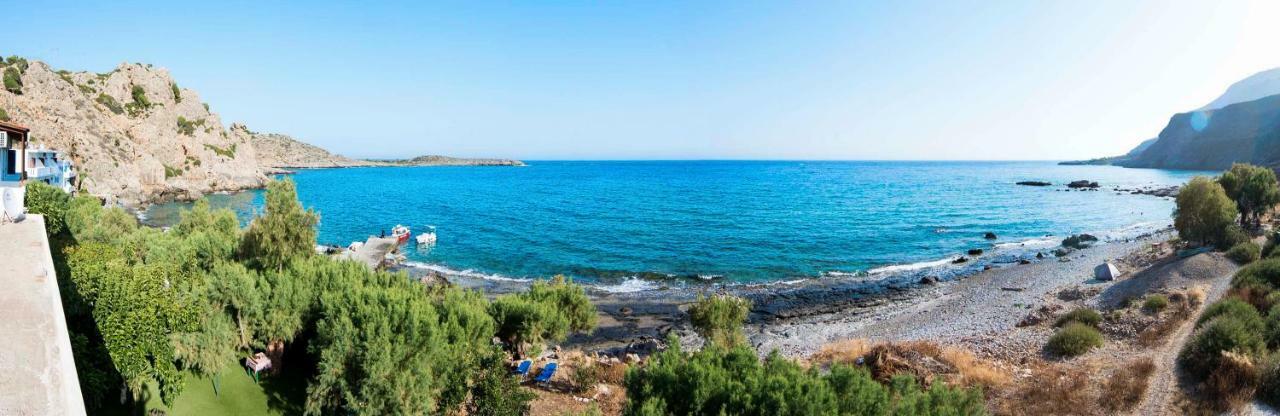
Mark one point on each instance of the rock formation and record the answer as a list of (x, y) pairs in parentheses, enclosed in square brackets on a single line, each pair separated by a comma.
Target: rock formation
[(134, 134)]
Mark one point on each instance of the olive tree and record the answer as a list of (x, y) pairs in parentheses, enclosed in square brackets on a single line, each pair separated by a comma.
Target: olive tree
[(1203, 213), (1253, 188)]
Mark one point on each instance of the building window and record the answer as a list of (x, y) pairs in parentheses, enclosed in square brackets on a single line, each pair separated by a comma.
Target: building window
[(11, 162)]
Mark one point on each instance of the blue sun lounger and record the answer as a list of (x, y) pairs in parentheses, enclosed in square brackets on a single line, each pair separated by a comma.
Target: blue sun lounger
[(547, 371), (522, 369)]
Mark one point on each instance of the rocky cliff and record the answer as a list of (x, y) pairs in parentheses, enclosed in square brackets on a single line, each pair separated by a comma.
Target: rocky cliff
[(1214, 139), (134, 134)]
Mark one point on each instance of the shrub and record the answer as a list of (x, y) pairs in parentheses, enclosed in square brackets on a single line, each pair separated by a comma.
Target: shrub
[(4, 115), (18, 62), (1126, 386), (1235, 309), (1269, 247), (1085, 316), (1225, 333), (44, 199), (550, 310), (1155, 303), (12, 81), (1232, 382), (721, 380), (229, 152), (188, 127), (1272, 323), (110, 103), (1264, 272), (496, 393), (586, 376), (719, 318), (1074, 339), (171, 172), (177, 93), (140, 96), (1203, 211), (1269, 381), (1244, 253)]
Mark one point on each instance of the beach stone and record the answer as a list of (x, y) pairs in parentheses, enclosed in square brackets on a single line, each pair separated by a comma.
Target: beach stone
[(959, 260), (1082, 184), (1024, 261), (989, 235), (632, 358), (928, 280), (975, 251)]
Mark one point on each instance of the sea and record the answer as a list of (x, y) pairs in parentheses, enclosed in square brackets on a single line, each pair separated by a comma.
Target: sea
[(630, 226)]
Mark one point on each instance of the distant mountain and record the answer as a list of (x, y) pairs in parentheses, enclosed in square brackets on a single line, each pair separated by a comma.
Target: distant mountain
[(1259, 85), (1253, 88), (1214, 139), (278, 151)]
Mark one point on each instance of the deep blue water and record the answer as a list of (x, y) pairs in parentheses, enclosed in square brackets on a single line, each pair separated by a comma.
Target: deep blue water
[(727, 221)]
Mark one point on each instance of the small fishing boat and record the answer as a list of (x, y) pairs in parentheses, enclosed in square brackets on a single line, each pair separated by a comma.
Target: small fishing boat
[(400, 233), (429, 237)]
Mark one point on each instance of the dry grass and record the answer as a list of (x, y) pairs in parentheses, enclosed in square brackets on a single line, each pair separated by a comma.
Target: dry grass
[(927, 361), (1126, 386), (1231, 385), (1050, 390), (1182, 306)]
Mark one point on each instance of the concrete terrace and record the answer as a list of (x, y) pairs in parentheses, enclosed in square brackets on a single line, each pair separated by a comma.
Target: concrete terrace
[(37, 372)]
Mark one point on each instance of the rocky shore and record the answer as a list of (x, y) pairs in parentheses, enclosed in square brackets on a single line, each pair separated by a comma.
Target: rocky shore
[(977, 301)]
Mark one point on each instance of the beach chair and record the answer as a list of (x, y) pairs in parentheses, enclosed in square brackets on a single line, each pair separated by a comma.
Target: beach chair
[(547, 371), (522, 369)]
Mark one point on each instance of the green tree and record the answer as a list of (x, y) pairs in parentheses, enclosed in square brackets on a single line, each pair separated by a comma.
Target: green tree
[(1204, 212), (237, 291), (719, 318), (1253, 188), (136, 311), (284, 233), (88, 221), (12, 80), (44, 199), (209, 349)]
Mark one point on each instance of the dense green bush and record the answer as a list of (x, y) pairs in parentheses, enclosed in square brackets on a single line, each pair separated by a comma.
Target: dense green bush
[(51, 202), (1155, 303), (1264, 273), (12, 80), (719, 380), (187, 127), (1204, 212), (286, 231), (1085, 316), (549, 311), (1272, 324), (1074, 339), (4, 115), (1224, 333), (1236, 309), (1244, 253), (719, 318), (1231, 236), (1269, 248)]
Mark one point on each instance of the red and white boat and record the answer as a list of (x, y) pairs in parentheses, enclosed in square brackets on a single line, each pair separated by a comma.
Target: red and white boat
[(400, 233)]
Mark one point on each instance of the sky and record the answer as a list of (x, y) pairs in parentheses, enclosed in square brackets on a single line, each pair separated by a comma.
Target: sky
[(902, 80)]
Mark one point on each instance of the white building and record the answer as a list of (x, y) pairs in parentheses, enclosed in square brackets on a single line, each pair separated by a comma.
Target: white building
[(13, 154), (49, 166)]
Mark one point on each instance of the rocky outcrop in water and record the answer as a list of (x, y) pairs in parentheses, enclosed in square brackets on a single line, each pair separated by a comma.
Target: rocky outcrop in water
[(134, 134)]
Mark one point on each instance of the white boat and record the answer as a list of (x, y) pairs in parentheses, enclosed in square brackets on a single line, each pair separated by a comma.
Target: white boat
[(428, 237)]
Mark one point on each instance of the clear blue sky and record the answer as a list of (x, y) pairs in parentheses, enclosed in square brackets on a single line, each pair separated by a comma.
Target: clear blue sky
[(679, 80)]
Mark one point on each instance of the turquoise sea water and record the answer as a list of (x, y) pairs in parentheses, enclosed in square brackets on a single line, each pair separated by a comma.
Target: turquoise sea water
[(636, 225)]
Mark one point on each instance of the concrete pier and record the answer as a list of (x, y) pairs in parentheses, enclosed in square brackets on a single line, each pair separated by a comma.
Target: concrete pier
[(37, 371)]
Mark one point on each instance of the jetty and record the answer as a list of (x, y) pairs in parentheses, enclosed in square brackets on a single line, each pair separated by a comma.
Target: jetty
[(39, 370), (373, 252)]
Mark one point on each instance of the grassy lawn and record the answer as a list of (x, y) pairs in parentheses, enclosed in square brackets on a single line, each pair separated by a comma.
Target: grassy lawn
[(280, 395)]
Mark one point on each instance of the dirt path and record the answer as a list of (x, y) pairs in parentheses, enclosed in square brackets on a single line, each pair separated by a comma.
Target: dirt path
[(1165, 386)]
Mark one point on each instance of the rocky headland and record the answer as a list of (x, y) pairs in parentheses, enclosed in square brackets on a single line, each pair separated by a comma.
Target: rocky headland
[(136, 136)]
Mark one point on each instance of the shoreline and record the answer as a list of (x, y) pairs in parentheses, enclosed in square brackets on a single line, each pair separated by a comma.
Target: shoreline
[(797, 318)]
